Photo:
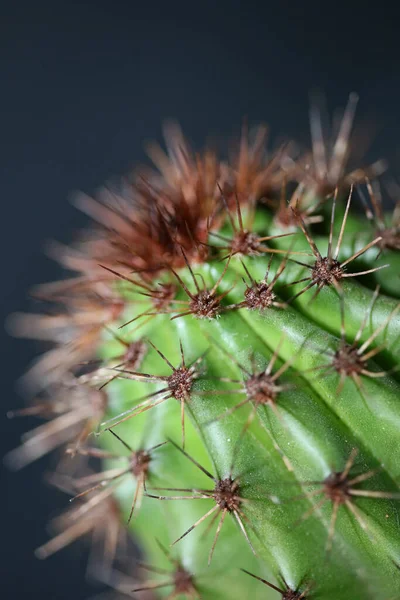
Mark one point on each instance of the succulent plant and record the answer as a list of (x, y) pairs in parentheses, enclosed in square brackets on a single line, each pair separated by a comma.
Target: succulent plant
[(223, 379)]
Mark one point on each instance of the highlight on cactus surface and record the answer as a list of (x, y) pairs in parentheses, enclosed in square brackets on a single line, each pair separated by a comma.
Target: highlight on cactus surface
[(223, 385)]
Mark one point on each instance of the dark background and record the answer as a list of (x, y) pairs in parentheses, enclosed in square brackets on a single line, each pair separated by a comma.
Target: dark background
[(83, 85)]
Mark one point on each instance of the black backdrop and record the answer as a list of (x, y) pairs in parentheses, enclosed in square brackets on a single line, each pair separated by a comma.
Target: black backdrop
[(83, 85)]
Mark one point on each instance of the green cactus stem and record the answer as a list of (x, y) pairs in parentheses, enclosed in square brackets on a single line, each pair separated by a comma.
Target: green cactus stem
[(225, 377)]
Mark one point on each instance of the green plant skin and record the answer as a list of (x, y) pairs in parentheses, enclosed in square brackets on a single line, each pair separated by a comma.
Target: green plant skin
[(316, 433)]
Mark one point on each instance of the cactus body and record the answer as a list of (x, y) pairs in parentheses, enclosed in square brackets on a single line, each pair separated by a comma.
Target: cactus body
[(225, 395)]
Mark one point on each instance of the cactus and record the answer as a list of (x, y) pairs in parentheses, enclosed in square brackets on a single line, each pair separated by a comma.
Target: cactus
[(223, 382)]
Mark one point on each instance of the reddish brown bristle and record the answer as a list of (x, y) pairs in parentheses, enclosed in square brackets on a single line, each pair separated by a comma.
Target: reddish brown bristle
[(181, 381), (347, 360), (326, 271), (163, 295), (286, 218), (259, 296), (390, 238), (226, 494), (205, 305), (144, 225), (287, 593), (336, 488), (183, 581), (261, 389), (388, 228), (252, 175), (99, 402), (291, 595), (288, 212), (246, 243), (134, 354), (140, 462)]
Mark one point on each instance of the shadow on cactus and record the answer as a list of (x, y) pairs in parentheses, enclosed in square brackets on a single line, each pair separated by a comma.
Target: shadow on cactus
[(285, 374)]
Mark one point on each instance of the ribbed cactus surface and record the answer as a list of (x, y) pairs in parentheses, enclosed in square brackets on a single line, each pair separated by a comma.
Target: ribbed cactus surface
[(223, 381)]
